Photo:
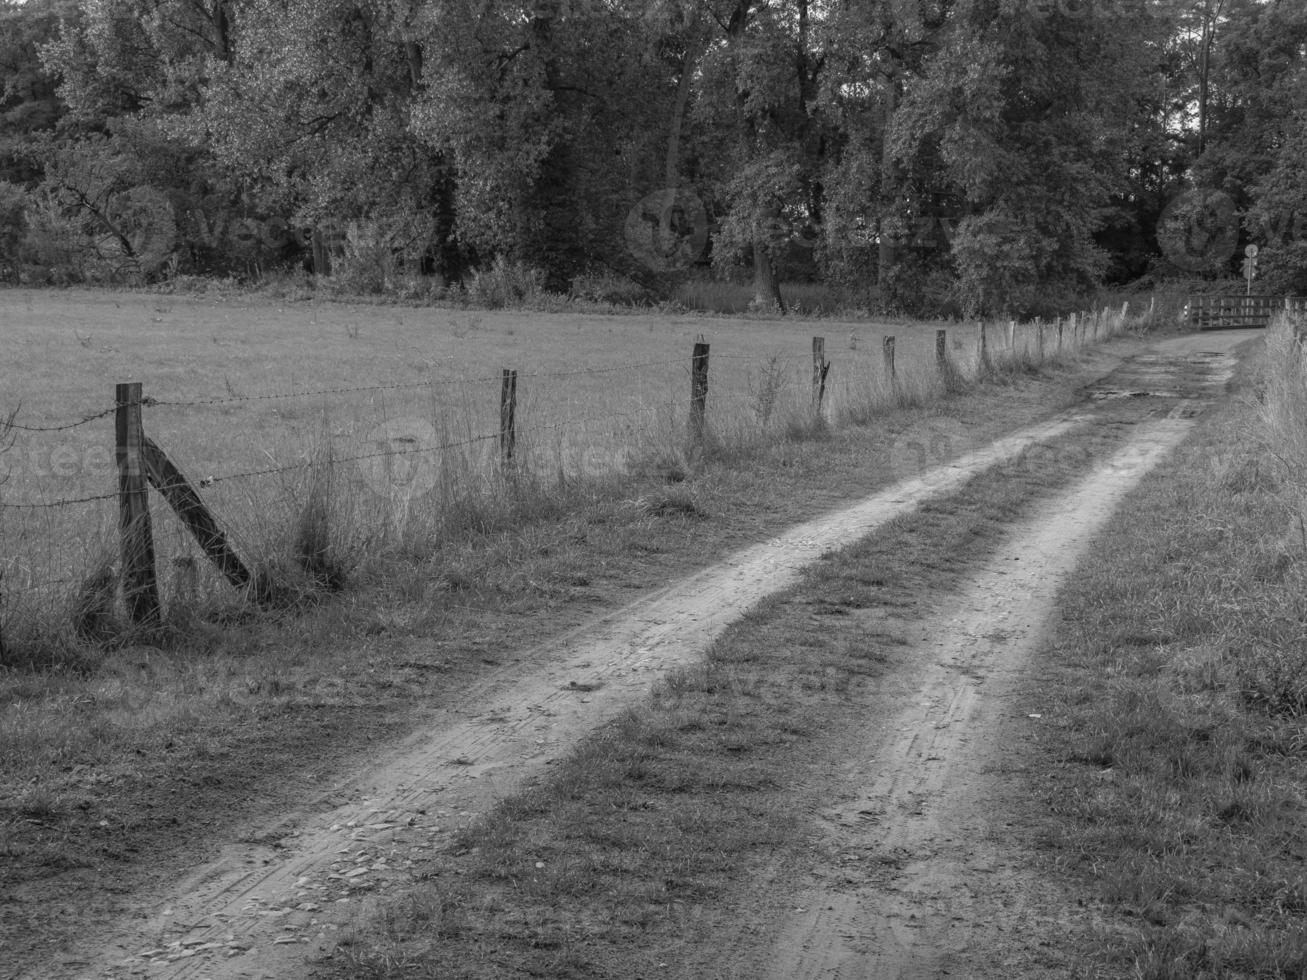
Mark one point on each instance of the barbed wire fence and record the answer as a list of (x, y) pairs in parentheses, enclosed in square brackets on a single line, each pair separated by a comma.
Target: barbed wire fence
[(381, 460)]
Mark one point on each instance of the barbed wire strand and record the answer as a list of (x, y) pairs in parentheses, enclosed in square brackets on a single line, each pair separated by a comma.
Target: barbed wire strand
[(61, 428), (399, 386), (152, 402), (358, 457), (53, 504)]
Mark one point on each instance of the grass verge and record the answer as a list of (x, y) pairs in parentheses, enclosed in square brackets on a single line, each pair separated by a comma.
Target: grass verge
[(1175, 773), (644, 848)]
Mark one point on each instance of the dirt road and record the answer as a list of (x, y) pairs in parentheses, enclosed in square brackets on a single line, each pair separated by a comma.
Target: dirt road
[(265, 910), (922, 787)]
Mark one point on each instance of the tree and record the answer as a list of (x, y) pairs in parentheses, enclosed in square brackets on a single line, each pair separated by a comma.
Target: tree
[(30, 102), (1020, 121)]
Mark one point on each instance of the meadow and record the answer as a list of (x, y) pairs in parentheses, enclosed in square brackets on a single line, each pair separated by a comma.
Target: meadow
[(344, 431)]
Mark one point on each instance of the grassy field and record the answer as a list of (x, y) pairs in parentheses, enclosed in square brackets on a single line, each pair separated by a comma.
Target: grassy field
[(255, 398)]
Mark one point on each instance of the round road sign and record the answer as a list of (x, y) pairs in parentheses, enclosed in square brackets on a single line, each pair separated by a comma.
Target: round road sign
[(1251, 251)]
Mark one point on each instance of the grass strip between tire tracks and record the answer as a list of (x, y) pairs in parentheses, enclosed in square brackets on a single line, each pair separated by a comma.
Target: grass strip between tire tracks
[(647, 842)]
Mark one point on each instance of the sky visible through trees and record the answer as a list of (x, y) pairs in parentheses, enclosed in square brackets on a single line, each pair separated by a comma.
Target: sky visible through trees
[(927, 156)]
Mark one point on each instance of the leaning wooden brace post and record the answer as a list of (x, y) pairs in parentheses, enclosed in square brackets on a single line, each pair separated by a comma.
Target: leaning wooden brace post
[(140, 587), (889, 356), (508, 417), (820, 369), (173, 486), (699, 392)]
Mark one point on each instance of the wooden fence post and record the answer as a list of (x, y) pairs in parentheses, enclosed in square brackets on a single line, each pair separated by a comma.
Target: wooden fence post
[(140, 587), (699, 391), (984, 348), (941, 348), (888, 348), (1012, 337), (508, 417), (820, 368), (1039, 339)]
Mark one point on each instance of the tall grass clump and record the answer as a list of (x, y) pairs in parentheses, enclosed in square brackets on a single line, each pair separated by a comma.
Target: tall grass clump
[(506, 284)]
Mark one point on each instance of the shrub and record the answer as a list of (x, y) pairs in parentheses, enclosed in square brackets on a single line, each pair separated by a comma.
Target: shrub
[(506, 284)]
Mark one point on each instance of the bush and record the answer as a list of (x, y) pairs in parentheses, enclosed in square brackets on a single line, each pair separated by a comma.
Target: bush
[(506, 284), (383, 255)]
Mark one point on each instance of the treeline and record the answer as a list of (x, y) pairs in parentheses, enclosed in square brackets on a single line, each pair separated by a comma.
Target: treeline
[(931, 156)]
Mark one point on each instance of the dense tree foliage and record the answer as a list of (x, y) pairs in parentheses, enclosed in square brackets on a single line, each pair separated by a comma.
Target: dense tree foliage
[(935, 156)]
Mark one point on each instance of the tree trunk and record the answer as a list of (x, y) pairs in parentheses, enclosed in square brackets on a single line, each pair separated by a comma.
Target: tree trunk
[(766, 288), (887, 254), (321, 256), (694, 48), (1211, 14)]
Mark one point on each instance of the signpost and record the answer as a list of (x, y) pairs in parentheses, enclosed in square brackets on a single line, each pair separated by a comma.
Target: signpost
[(1250, 266)]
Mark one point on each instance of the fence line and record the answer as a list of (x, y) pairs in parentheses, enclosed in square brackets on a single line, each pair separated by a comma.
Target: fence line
[(868, 359), (877, 365)]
